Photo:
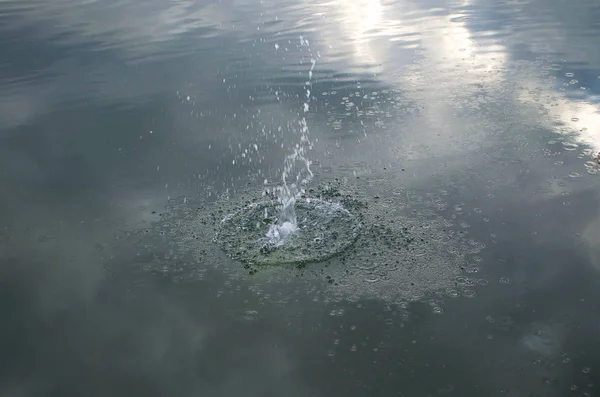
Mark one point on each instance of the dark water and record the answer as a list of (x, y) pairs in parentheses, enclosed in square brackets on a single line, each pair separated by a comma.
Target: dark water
[(130, 128)]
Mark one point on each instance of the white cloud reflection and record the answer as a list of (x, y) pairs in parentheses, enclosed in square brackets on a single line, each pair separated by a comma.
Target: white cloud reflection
[(454, 61)]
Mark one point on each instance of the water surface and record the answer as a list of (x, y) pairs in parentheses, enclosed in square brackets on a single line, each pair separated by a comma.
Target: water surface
[(129, 129)]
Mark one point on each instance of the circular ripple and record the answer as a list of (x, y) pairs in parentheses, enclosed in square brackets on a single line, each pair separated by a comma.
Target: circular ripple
[(325, 229)]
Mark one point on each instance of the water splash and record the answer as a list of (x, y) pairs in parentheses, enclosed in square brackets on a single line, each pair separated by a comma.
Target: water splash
[(292, 178)]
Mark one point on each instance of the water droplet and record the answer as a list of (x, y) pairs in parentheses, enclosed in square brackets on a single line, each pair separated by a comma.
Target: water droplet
[(504, 280), (586, 370)]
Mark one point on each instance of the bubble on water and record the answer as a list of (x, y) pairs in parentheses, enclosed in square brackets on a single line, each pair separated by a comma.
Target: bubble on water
[(504, 280), (250, 315), (339, 312), (464, 281)]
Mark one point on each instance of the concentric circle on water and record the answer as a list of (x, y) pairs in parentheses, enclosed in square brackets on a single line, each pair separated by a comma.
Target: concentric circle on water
[(324, 230)]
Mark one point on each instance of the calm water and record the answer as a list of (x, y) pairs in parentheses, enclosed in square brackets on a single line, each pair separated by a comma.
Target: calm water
[(129, 128)]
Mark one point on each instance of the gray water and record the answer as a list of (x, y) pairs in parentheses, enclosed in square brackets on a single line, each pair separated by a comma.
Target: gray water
[(463, 134)]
